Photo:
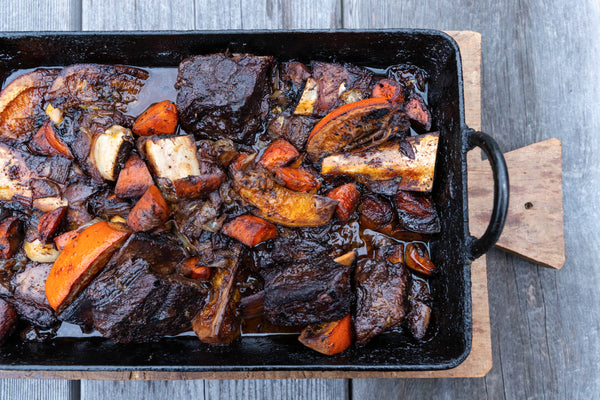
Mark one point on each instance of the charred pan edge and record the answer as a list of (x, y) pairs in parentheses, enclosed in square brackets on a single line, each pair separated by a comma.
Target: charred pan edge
[(167, 49)]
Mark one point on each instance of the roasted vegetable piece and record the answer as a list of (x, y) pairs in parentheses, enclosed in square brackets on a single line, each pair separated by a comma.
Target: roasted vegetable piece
[(280, 205), (250, 230), (416, 257), (151, 211), (388, 160), (347, 196), (47, 143), (416, 212), (158, 119), (278, 154), (173, 160), (348, 123), (309, 97), (395, 254), (110, 150), (19, 102), (10, 237), (40, 252), (376, 213), (389, 89), (61, 240), (380, 291), (307, 292), (346, 259), (49, 224), (8, 320), (328, 338), (101, 86), (419, 307), (419, 115), (134, 178), (80, 261), (219, 320), (298, 179)]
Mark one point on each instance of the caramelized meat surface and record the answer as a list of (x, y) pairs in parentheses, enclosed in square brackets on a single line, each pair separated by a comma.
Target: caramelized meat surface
[(138, 297), (307, 293), (219, 95), (380, 291)]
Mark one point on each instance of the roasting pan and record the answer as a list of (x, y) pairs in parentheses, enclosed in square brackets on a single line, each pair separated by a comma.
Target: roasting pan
[(452, 250)]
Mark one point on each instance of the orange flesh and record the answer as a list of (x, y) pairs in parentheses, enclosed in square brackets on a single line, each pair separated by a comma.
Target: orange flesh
[(329, 338), (81, 259), (158, 119)]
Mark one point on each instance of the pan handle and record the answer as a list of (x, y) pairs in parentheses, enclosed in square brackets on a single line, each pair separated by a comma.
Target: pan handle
[(478, 247)]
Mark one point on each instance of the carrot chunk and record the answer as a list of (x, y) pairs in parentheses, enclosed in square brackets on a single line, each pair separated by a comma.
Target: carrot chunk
[(298, 179), (347, 196), (61, 240), (329, 338), (250, 230), (10, 237), (279, 153), (388, 89), (158, 119), (47, 142), (149, 212), (81, 259), (49, 223), (134, 178), (191, 267)]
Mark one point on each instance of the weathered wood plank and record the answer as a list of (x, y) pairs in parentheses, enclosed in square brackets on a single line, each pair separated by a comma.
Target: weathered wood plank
[(289, 389), (267, 14), (137, 15), (540, 81), (142, 390), (32, 15), (36, 389)]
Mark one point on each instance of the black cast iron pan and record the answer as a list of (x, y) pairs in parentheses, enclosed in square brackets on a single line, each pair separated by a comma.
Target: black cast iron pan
[(450, 340)]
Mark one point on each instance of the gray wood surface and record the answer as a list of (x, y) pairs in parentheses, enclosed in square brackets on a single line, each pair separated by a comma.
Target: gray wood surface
[(540, 79)]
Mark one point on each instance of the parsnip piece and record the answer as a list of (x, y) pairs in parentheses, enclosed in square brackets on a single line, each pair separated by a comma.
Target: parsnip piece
[(174, 157), (39, 252), (110, 151), (388, 161), (309, 97), (280, 205)]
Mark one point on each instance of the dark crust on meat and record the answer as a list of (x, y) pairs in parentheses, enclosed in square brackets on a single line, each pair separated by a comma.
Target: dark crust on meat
[(219, 96), (304, 294), (380, 291)]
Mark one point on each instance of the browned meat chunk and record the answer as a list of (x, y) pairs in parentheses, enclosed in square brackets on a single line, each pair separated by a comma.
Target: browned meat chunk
[(139, 297), (293, 128), (334, 80), (8, 320), (29, 295), (19, 168), (103, 86), (419, 307), (380, 289), (307, 293), (219, 96), (416, 212)]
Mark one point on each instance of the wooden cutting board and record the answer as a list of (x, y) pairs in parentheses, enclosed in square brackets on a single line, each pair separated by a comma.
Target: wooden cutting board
[(477, 364)]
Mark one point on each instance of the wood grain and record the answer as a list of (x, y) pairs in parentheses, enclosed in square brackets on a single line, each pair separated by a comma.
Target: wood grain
[(539, 80), (534, 225)]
